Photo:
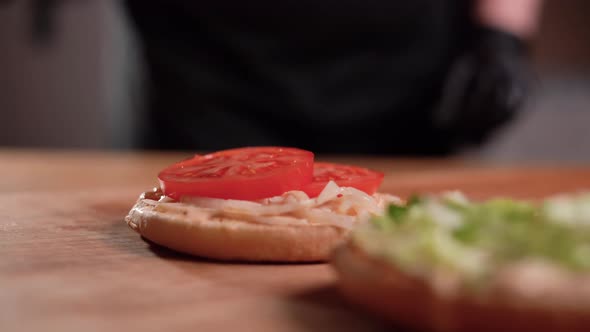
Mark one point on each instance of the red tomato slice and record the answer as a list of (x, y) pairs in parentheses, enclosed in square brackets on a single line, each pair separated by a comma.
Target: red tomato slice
[(243, 173), (345, 176)]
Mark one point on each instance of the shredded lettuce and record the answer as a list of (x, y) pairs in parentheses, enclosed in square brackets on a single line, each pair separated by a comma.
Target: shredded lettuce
[(453, 233)]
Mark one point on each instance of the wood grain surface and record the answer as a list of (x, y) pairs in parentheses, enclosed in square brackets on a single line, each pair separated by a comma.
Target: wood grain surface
[(68, 262)]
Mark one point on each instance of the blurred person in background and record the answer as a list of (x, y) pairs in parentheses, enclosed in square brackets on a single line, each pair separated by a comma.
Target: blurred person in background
[(424, 77)]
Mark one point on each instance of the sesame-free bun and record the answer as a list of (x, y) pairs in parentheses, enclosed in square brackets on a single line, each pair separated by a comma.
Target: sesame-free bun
[(184, 229), (556, 301)]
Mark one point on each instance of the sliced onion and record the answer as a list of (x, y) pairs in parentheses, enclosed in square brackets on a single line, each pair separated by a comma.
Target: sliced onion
[(338, 206), (243, 207), (218, 203), (330, 191), (277, 220), (319, 216)]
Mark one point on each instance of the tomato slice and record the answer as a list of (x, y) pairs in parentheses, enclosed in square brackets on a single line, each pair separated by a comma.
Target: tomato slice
[(244, 173), (345, 176)]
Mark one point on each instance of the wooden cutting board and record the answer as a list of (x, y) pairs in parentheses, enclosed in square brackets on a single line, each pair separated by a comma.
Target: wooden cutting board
[(68, 262)]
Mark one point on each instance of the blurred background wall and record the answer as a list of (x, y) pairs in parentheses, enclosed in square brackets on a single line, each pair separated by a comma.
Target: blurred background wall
[(72, 88), (80, 89)]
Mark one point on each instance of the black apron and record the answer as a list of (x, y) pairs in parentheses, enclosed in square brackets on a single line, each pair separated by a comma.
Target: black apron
[(330, 76)]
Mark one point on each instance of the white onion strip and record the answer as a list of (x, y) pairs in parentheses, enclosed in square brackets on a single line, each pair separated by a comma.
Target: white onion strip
[(338, 206)]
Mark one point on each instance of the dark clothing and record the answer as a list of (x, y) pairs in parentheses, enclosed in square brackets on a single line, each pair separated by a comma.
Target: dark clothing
[(330, 76)]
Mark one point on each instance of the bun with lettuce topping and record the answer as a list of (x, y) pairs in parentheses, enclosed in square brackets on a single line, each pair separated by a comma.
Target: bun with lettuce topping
[(445, 263)]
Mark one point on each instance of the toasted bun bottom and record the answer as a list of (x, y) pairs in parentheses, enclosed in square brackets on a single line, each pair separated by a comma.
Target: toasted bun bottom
[(235, 240), (413, 303)]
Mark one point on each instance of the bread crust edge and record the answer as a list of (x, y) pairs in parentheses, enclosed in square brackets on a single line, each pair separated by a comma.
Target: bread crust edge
[(234, 240)]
